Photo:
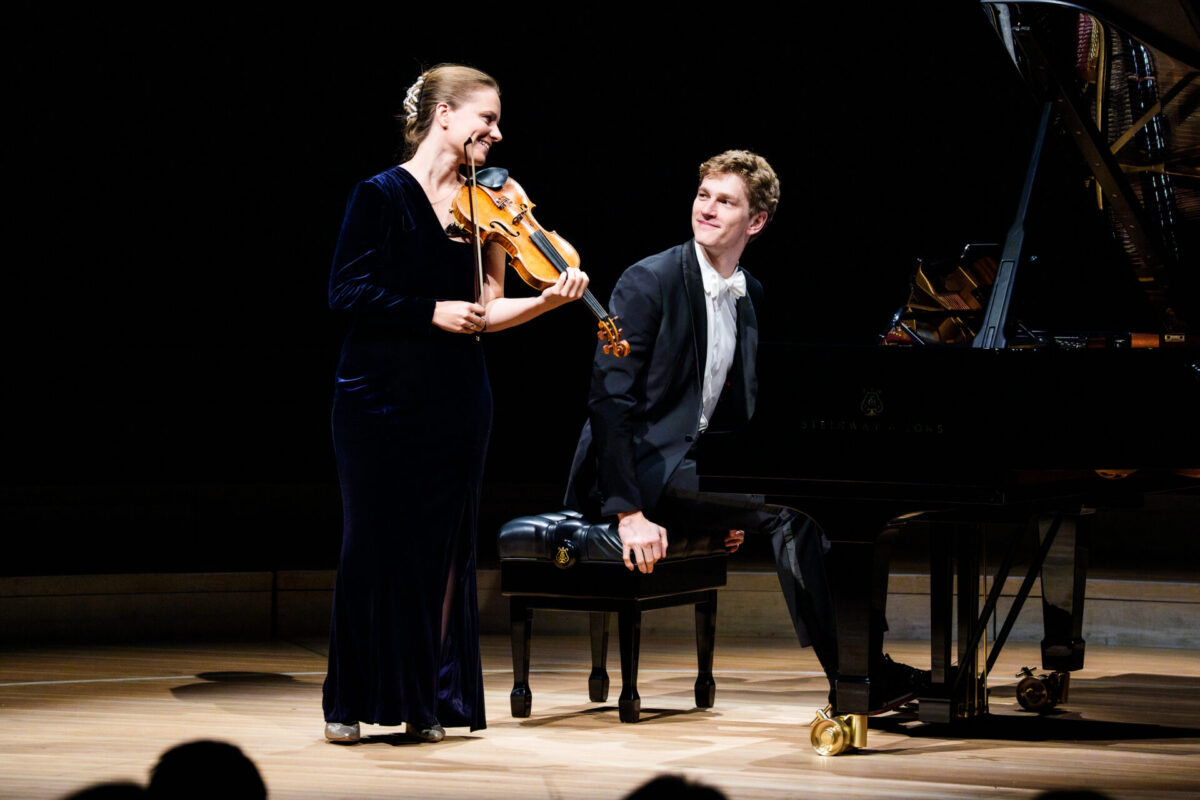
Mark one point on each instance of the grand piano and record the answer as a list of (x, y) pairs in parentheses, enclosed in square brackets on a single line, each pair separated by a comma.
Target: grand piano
[(976, 412)]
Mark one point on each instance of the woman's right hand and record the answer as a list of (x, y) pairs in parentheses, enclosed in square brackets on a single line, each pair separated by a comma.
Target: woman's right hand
[(458, 316)]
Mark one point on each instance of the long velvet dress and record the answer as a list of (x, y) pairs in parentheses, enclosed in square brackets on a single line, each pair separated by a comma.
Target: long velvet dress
[(411, 418)]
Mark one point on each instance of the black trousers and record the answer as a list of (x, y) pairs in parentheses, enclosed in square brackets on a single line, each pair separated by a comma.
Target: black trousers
[(799, 546)]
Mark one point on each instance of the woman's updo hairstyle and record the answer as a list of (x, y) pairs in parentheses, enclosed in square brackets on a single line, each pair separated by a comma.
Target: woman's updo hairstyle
[(445, 83)]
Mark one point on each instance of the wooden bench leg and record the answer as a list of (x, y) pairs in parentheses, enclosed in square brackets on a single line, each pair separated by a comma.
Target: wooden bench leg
[(629, 625), (521, 622), (598, 680), (706, 633)]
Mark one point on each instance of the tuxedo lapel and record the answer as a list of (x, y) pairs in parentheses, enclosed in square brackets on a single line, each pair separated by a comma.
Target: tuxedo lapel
[(697, 307), (747, 352)]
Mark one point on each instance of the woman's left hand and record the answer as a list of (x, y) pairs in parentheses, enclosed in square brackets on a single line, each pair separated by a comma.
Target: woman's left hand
[(570, 286)]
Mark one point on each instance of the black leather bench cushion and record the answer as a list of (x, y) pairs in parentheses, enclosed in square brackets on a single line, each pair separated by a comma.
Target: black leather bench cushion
[(540, 537)]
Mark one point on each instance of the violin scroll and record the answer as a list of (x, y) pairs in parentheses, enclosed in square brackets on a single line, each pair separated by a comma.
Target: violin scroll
[(611, 334)]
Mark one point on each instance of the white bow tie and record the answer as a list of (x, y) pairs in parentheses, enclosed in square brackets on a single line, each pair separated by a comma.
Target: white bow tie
[(715, 285)]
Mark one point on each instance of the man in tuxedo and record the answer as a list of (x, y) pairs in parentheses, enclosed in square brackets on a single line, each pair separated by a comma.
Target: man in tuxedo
[(690, 316)]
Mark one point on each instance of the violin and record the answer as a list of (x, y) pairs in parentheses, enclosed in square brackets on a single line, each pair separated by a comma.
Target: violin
[(493, 207)]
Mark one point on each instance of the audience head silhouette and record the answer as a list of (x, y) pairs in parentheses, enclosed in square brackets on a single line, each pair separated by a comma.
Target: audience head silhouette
[(674, 787), (206, 769)]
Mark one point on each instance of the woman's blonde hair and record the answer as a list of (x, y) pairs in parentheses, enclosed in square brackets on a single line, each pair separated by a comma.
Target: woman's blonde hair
[(445, 83)]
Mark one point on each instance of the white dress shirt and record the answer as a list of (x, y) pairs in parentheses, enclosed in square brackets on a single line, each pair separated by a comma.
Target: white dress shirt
[(722, 295)]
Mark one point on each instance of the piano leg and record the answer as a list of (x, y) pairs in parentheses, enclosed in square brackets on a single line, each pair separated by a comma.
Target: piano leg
[(957, 690), (858, 577), (970, 682), (936, 707), (1064, 579), (850, 565)]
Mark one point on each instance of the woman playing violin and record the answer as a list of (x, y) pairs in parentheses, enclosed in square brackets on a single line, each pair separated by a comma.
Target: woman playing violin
[(411, 417)]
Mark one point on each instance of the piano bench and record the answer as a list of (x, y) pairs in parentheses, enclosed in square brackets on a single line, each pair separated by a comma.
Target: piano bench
[(561, 561)]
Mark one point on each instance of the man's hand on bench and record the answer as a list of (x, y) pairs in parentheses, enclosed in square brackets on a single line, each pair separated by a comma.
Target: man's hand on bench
[(642, 539), (734, 540)]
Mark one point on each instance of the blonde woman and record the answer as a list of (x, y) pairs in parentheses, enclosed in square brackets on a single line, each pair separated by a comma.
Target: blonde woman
[(411, 417)]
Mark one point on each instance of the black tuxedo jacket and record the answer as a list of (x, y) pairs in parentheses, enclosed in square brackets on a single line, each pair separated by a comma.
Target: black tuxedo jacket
[(644, 409)]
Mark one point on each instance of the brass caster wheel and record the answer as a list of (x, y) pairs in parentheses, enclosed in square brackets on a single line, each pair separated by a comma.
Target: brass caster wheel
[(1040, 693), (834, 735), (1033, 694)]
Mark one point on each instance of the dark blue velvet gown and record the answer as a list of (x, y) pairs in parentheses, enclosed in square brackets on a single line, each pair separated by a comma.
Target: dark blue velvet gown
[(411, 418)]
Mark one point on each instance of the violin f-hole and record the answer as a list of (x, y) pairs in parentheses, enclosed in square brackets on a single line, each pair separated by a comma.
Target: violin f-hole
[(497, 224)]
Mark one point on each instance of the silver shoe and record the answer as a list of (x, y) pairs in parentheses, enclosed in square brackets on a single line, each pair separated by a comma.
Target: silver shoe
[(433, 732), (340, 733)]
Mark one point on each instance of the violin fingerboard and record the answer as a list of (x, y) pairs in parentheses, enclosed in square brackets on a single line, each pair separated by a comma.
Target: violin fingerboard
[(549, 251)]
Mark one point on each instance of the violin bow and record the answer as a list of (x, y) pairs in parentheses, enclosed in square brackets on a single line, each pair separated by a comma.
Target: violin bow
[(474, 228)]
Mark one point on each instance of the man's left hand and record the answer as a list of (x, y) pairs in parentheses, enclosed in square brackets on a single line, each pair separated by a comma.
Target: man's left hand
[(734, 540)]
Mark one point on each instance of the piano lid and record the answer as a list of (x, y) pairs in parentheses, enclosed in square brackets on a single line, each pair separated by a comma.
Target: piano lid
[(1124, 78), (1171, 26)]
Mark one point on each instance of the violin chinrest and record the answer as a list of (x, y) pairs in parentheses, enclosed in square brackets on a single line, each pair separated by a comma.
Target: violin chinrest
[(492, 177)]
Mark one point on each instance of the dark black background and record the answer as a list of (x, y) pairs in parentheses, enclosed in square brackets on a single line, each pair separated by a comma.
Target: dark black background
[(176, 187)]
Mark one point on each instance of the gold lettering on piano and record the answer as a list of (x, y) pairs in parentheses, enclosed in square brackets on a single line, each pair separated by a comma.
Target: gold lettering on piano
[(871, 426)]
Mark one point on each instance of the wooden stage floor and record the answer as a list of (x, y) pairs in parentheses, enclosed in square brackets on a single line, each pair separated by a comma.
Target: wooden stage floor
[(81, 714)]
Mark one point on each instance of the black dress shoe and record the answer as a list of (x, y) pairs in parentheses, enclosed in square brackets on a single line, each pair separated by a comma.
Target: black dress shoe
[(892, 685)]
